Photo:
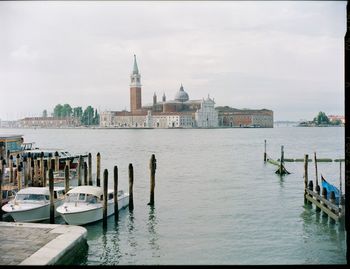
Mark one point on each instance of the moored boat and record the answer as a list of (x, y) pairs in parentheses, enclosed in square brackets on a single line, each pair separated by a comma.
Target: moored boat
[(84, 204), (33, 204)]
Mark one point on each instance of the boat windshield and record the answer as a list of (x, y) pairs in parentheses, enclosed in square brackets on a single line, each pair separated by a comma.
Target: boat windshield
[(32, 197), (75, 197)]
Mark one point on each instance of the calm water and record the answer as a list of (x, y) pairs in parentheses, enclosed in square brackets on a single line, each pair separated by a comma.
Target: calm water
[(216, 202)]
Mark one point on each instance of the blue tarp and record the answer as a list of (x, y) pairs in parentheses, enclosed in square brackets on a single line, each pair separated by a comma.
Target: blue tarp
[(329, 187)]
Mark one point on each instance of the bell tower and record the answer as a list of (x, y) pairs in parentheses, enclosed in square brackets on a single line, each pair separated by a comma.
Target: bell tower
[(135, 88)]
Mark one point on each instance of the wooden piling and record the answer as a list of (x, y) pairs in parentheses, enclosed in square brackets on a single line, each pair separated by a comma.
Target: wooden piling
[(42, 169), (25, 172), (52, 204), (35, 178), (2, 167), (8, 157), (38, 182), (11, 168), (57, 163), (116, 211), (152, 167), (265, 156), (49, 161), (66, 178), (18, 160), (44, 183), (281, 163), (318, 190), (85, 174), (79, 169), (316, 174), (305, 174), (98, 169), (30, 171), (324, 195), (19, 178), (311, 187), (90, 169), (105, 188), (131, 184)]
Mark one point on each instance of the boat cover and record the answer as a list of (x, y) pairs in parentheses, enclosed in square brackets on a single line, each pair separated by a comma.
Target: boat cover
[(329, 187)]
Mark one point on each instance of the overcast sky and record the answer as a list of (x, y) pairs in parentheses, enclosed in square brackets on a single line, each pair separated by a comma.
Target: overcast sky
[(287, 56)]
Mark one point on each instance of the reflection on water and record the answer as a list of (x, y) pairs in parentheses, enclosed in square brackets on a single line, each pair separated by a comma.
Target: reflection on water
[(152, 229)]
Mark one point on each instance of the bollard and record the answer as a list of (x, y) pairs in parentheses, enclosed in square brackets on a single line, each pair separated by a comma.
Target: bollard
[(265, 151), (152, 167), (98, 169), (105, 186), (11, 169), (90, 169), (66, 178), (57, 163), (85, 174), (131, 184), (52, 204), (116, 211)]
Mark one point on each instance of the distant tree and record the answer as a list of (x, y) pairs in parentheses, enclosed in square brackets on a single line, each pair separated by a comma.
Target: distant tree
[(57, 112), (45, 113), (321, 118), (88, 116), (78, 112), (66, 110), (96, 120)]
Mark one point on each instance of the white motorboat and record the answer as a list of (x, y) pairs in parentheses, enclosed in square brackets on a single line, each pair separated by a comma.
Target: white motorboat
[(33, 204), (84, 204)]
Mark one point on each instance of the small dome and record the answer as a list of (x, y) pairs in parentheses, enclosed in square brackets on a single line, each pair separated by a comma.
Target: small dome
[(181, 95)]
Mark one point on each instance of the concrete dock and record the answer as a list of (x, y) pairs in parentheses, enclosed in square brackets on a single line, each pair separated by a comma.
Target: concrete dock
[(37, 243)]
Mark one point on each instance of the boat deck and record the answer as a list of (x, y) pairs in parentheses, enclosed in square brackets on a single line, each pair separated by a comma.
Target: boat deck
[(38, 244)]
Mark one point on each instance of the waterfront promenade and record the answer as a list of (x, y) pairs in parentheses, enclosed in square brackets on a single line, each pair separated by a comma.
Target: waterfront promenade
[(38, 244)]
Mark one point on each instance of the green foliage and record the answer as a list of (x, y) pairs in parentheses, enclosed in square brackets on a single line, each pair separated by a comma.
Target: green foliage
[(321, 118), (89, 116)]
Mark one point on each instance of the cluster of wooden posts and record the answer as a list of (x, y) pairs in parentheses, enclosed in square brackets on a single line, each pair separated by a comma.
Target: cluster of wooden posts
[(281, 168), (313, 196), (35, 171)]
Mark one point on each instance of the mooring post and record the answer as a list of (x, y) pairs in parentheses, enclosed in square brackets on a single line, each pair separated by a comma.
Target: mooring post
[(116, 211), (8, 157), (98, 169), (19, 178), (80, 162), (152, 167), (25, 171), (1, 176), (318, 191), (30, 171), (11, 168), (131, 184), (340, 188), (38, 183), (57, 164), (324, 195), (311, 187), (85, 174), (315, 160), (52, 203), (18, 158), (105, 187), (305, 174), (35, 178), (49, 161), (66, 178), (90, 168), (265, 150), (42, 168), (44, 174)]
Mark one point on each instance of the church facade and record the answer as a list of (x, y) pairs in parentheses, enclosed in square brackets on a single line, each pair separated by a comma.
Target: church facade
[(181, 112)]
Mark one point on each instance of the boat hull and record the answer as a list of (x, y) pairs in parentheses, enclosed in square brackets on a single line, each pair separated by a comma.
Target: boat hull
[(89, 214), (34, 214)]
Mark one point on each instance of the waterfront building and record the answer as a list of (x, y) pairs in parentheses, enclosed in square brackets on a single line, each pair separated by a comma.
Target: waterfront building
[(232, 117), (181, 112), (49, 122), (333, 118)]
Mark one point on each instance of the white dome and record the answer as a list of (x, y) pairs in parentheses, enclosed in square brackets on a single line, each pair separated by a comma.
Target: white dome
[(181, 95)]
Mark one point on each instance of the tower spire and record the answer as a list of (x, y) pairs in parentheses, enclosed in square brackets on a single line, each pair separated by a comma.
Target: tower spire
[(135, 70)]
